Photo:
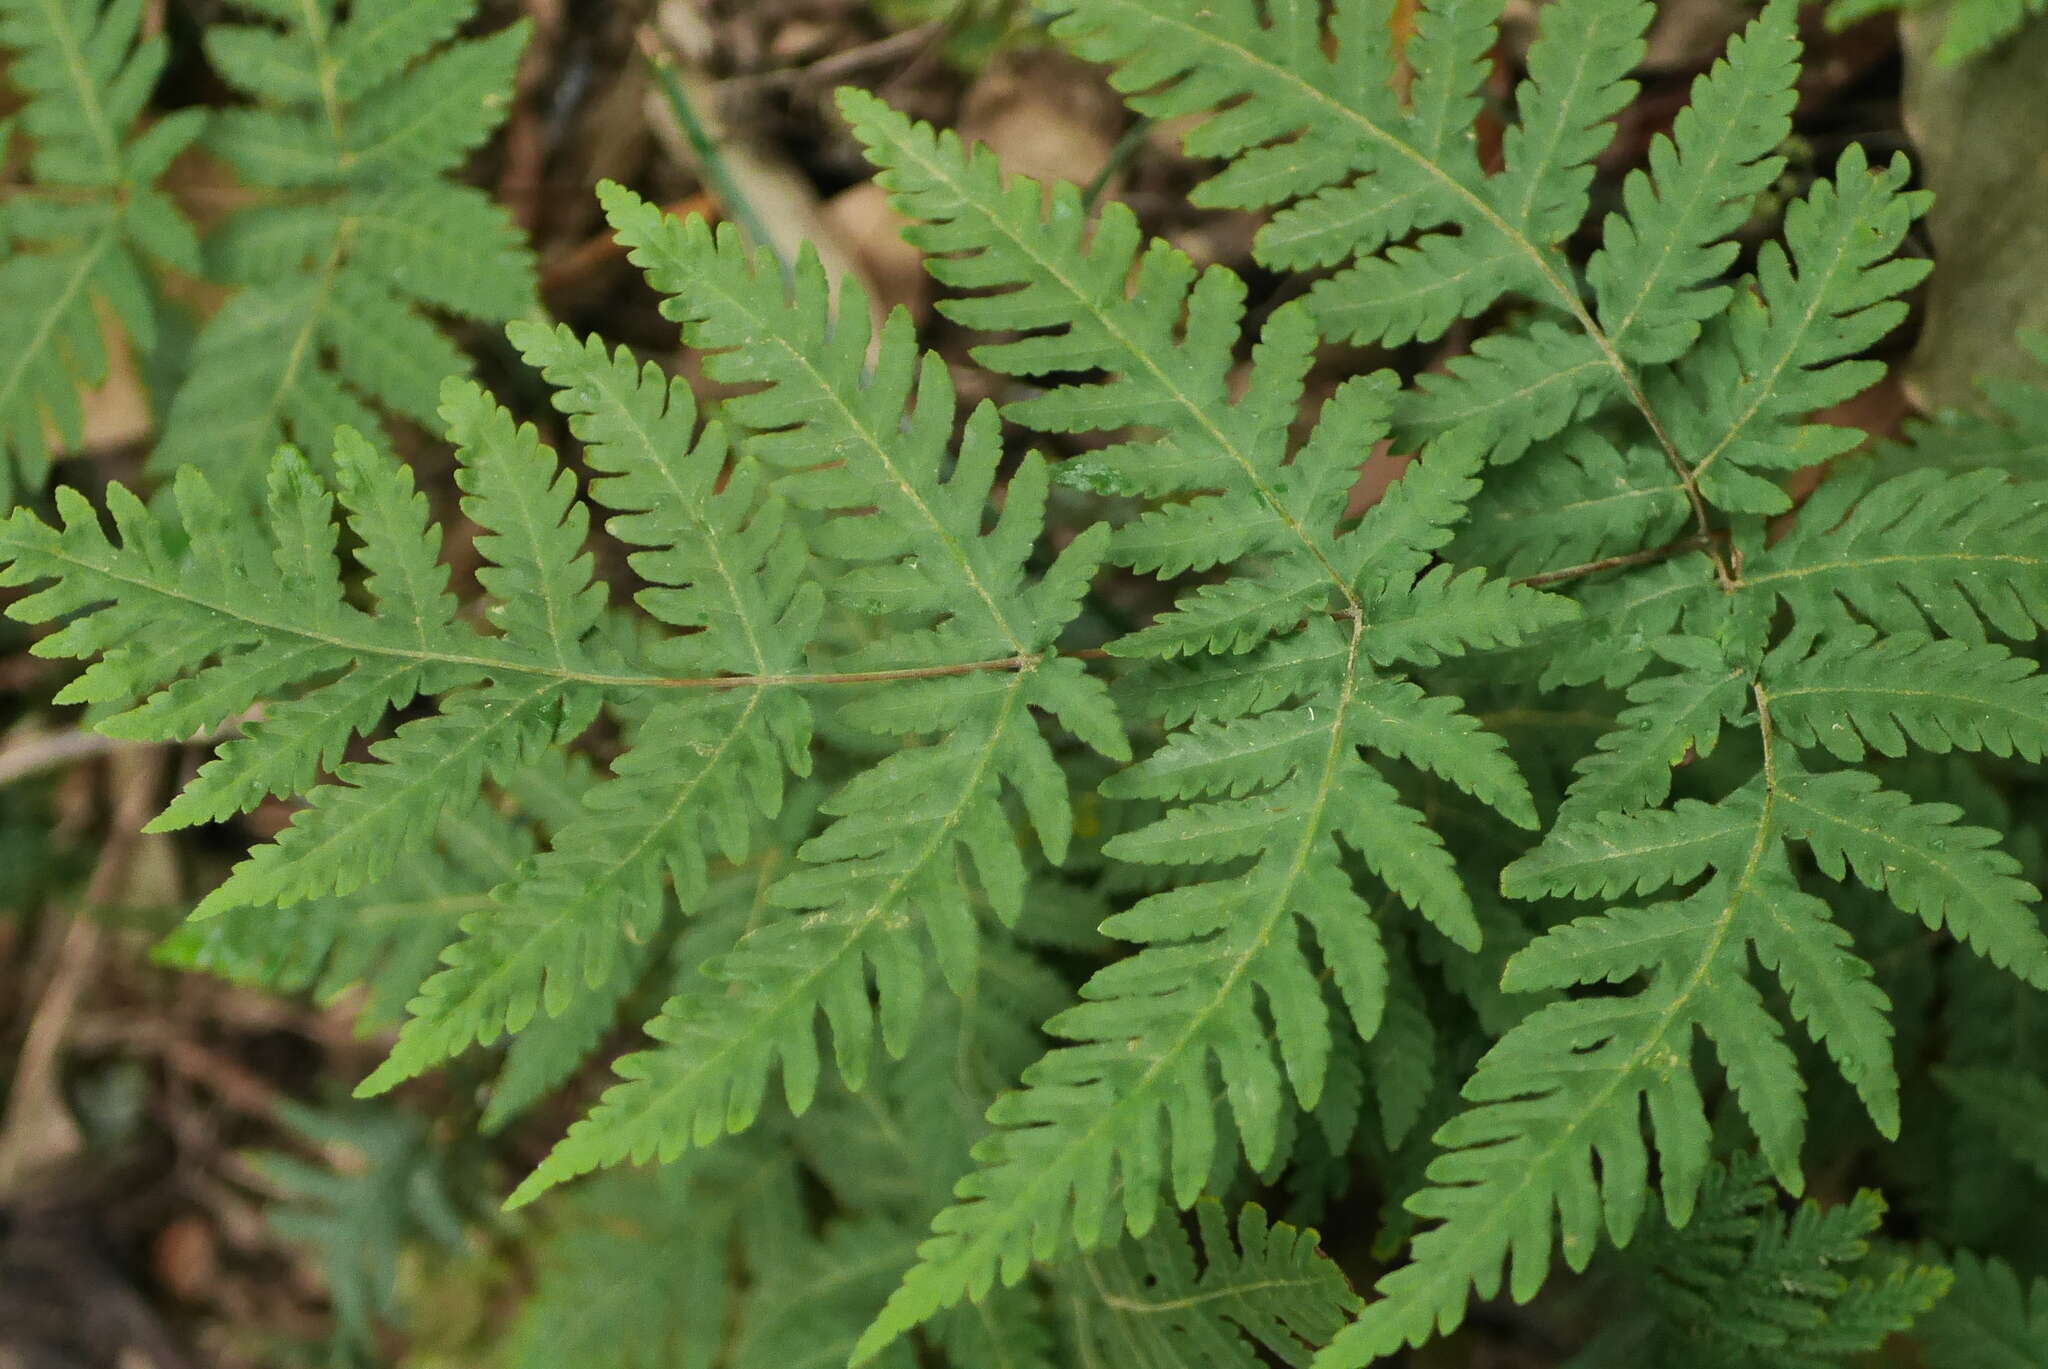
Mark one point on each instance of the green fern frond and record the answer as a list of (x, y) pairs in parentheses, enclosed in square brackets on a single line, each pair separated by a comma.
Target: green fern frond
[(1320, 130), (1148, 1302), (812, 760), (81, 239), (1670, 718), (728, 561), (1738, 404), (908, 829), (357, 1219), (362, 119), (210, 617), (1568, 1087), (705, 1261), (1277, 776), (388, 937), (1719, 382), (1957, 553), (700, 1223), (1743, 1282), (1575, 503), (1303, 107), (2012, 1106), (1992, 1316), (1860, 694), (1656, 277)]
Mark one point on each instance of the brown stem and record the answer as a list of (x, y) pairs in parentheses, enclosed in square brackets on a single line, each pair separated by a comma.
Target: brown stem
[(1697, 542)]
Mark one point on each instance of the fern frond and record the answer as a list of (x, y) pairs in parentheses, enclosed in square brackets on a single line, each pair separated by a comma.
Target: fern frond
[(1302, 106), (1802, 1289), (1991, 1316), (726, 561), (80, 239), (907, 829), (1670, 718), (1859, 693), (1265, 1285), (1738, 403), (1316, 126), (2013, 1106), (1136, 1084), (1278, 776), (1957, 553), (892, 853), (389, 936), (197, 612), (1655, 276), (1567, 1088), (363, 118), (1576, 505)]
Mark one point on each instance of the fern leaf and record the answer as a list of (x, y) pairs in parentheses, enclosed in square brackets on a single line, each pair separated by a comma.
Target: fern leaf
[(1829, 293), (1280, 779), (1671, 717), (1860, 693), (712, 718), (1565, 1090), (1944, 873), (2013, 1107), (1953, 552), (1654, 276), (78, 237), (1135, 1082), (1803, 1289), (387, 937), (362, 117), (1299, 102), (1265, 1284), (352, 831), (1992, 1316), (1574, 506), (891, 852), (983, 234), (902, 826), (1616, 853), (716, 560)]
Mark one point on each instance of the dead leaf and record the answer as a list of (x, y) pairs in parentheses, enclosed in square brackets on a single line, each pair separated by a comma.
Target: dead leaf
[(1045, 115), (862, 218)]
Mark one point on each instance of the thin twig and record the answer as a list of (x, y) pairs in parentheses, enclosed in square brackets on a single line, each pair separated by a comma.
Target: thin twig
[(37, 1130), (31, 752), (1697, 542), (908, 43)]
